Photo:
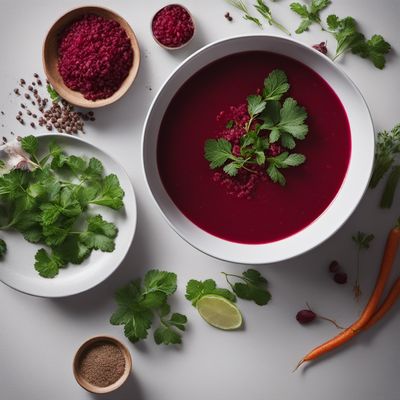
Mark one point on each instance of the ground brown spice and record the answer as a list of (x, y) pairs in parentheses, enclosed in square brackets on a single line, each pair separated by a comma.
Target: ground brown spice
[(102, 364)]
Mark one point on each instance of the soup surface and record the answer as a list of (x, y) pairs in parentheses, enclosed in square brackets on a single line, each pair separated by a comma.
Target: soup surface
[(274, 212)]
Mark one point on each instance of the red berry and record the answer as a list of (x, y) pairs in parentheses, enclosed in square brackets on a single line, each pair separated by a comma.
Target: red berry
[(334, 267), (321, 47), (340, 278), (305, 316)]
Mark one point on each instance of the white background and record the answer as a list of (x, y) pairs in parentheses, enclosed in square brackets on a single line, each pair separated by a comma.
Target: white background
[(38, 337)]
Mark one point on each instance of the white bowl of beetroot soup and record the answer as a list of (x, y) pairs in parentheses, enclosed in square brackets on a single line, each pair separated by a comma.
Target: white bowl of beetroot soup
[(257, 149)]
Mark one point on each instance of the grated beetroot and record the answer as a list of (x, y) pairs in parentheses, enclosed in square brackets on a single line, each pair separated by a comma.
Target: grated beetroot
[(95, 56), (173, 26)]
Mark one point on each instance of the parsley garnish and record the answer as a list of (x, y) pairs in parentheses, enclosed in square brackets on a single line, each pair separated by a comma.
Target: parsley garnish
[(309, 14), (54, 96), (345, 32), (52, 211), (363, 241), (197, 289), (139, 304), (240, 5), (387, 148), (284, 123), (253, 286)]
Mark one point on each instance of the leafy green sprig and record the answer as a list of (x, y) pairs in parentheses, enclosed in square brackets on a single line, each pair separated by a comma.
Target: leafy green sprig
[(195, 290), (139, 305), (345, 31), (241, 6), (278, 122), (251, 286), (49, 205)]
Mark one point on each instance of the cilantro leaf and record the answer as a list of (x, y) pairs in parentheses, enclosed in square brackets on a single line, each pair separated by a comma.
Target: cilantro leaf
[(197, 289), (30, 144), (283, 160), (162, 281), (47, 265), (99, 235), (363, 240), (72, 250), (255, 105), (275, 86), (309, 15), (110, 193), (373, 49), (137, 306), (252, 286), (3, 248), (54, 96)]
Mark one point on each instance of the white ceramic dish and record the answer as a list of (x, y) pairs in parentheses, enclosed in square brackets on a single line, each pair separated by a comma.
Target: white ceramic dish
[(17, 269), (348, 197)]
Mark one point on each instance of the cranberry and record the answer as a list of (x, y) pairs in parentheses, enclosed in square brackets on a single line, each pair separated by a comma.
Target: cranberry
[(305, 316), (340, 278), (321, 47), (334, 267)]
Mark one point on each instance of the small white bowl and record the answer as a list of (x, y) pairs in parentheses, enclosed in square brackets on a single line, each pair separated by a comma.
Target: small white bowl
[(346, 200)]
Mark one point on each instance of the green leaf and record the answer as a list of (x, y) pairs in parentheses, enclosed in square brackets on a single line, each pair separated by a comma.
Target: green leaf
[(94, 169), (363, 240), (293, 160), (47, 265), (309, 15), (333, 22), (110, 194), (54, 96), (260, 157), (255, 105), (166, 335), (30, 144), (232, 168), (197, 289), (254, 277), (230, 124), (138, 324), (178, 320), (390, 187), (217, 152), (153, 300), (162, 281), (99, 235), (275, 175), (271, 115), (3, 248), (318, 5), (300, 9), (374, 49), (274, 135), (275, 85), (288, 141)]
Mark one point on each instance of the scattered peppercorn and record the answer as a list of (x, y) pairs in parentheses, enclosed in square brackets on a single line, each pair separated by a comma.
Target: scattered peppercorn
[(228, 17), (33, 125), (22, 82), (16, 91)]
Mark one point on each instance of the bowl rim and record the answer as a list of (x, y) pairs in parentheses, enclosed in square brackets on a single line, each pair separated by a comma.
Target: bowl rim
[(306, 248), (99, 389), (133, 72)]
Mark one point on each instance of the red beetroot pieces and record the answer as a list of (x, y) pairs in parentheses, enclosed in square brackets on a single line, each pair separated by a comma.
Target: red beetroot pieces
[(173, 26), (95, 56)]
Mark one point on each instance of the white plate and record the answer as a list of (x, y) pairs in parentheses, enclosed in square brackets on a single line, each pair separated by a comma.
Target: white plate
[(348, 197), (17, 270)]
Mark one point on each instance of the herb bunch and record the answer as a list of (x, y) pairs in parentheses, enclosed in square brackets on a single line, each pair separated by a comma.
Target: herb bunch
[(387, 148), (47, 199), (345, 31), (139, 305), (270, 121)]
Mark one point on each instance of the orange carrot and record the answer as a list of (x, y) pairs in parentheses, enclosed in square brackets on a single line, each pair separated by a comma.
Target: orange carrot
[(391, 298), (392, 245)]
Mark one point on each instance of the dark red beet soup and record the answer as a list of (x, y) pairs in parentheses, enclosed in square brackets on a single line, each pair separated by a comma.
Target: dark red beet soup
[(273, 212)]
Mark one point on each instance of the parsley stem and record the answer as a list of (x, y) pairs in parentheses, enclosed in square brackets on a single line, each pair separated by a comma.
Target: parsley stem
[(280, 26)]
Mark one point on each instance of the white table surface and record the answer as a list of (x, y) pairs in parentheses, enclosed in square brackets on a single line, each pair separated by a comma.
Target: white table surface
[(38, 337)]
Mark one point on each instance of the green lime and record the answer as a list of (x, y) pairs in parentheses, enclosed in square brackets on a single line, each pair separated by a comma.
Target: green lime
[(219, 312)]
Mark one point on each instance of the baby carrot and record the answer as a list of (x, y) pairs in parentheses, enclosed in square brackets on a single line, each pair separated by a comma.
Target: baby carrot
[(392, 245), (391, 298)]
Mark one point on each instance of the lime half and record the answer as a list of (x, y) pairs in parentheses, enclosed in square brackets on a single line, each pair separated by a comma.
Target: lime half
[(219, 312)]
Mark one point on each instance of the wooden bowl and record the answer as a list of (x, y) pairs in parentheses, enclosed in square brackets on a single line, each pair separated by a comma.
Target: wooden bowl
[(184, 44), (97, 389), (50, 57)]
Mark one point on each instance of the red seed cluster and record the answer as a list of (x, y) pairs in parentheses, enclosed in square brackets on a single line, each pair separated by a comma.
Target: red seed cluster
[(95, 56), (173, 26)]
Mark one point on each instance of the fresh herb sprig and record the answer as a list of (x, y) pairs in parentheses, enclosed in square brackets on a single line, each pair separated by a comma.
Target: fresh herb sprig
[(278, 122), (54, 96), (241, 6), (139, 305), (51, 210), (387, 148), (265, 11), (362, 241), (310, 14), (251, 286), (345, 31), (195, 290)]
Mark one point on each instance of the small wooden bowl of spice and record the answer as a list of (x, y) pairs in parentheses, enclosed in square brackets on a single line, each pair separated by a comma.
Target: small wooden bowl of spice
[(173, 27), (91, 56), (102, 364)]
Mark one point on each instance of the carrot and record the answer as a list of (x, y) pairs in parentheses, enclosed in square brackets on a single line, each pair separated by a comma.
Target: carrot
[(392, 245), (391, 298)]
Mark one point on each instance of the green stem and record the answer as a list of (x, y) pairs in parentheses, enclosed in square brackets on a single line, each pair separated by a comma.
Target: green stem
[(280, 26)]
